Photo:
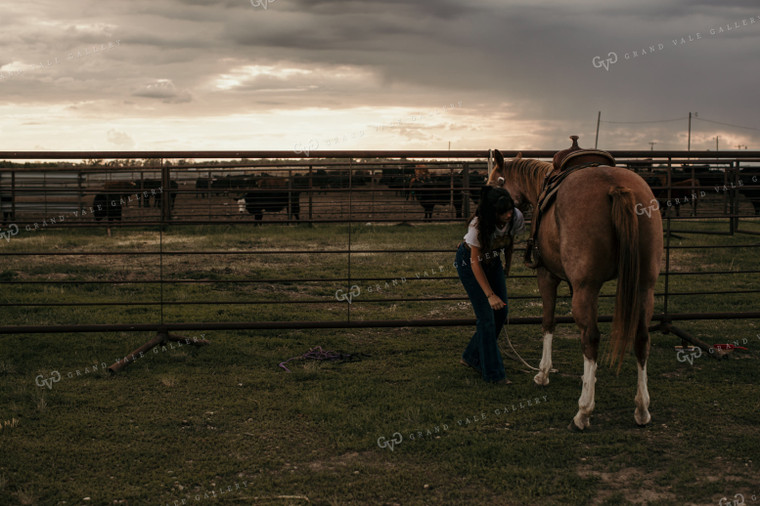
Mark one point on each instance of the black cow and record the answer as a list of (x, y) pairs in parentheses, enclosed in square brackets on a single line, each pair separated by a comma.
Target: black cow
[(223, 185), (397, 179), (705, 175), (202, 185), (172, 194), (436, 190), (338, 179), (361, 177), (146, 185), (443, 189), (683, 190), (272, 195), (107, 206), (432, 190), (6, 202), (750, 188), (477, 180), (320, 179), (153, 188)]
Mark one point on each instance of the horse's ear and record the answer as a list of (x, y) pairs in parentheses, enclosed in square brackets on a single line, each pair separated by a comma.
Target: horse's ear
[(499, 159), (518, 157)]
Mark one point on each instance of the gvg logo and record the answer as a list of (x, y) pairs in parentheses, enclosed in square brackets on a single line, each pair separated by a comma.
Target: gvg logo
[(688, 354), (12, 230), (312, 145), (598, 62), (396, 440), (354, 292), (738, 500), (40, 380), (654, 205), (262, 3)]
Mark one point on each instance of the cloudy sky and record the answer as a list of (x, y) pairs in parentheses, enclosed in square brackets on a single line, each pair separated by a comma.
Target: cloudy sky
[(382, 74)]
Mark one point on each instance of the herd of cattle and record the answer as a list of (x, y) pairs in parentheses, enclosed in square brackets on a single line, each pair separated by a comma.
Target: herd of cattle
[(259, 194)]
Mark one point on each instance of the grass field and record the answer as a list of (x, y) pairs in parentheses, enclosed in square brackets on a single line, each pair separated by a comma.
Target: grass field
[(224, 424)]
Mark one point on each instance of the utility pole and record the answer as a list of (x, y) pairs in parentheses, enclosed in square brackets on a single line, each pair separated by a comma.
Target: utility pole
[(716, 143), (688, 145), (651, 145), (598, 120)]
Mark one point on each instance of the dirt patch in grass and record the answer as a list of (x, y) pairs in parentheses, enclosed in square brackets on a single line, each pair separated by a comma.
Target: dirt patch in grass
[(635, 485)]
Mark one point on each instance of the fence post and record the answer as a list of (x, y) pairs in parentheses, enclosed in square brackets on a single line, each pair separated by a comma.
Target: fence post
[(669, 182), (734, 220), (726, 206), (80, 192), (667, 268), (208, 195), (45, 193), (290, 194), (13, 194), (311, 190), (166, 188), (372, 193), (466, 190), (451, 193), (350, 225)]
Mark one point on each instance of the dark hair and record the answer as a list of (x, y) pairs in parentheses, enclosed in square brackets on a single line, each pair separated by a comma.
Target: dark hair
[(494, 202)]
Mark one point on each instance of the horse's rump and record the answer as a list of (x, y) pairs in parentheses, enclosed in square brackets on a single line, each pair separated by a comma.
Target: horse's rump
[(602, 236)]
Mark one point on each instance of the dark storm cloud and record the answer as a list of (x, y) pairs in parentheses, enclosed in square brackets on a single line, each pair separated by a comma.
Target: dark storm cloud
[(529, 60)]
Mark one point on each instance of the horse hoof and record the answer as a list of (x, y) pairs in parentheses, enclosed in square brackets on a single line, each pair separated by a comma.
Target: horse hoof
[(574, 428), (642, 421), (541, 380), (580, 423)]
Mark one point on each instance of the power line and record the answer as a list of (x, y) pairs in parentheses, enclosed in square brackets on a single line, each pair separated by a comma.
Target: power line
[(680, 119), (638, 122), (727, 124)]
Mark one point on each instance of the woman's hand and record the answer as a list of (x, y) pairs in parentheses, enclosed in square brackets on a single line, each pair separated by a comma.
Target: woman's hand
[(495, 302)]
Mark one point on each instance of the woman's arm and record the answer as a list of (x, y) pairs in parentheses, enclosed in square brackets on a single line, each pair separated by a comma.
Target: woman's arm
[(493, 300)]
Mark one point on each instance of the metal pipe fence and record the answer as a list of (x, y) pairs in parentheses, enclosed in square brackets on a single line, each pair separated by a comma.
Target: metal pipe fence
[(143, 278)]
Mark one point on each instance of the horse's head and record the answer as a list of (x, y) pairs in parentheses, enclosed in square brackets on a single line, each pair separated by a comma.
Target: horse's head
[(501, 176)]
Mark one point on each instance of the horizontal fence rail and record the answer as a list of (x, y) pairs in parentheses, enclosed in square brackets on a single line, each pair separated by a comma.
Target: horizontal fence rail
[(145, 200), (355, 324)]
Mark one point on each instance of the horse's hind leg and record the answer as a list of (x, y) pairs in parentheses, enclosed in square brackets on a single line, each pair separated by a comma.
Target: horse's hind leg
[(641, 349), (585, 312), (547, 286)]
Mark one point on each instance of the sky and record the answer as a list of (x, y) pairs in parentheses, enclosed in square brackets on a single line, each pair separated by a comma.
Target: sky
[(385, 74)]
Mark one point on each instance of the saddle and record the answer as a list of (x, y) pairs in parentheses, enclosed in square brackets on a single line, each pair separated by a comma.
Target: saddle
[(575, 156), (565, 162)]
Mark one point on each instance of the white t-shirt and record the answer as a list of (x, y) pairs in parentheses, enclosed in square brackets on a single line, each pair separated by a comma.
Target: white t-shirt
[(517, 227)]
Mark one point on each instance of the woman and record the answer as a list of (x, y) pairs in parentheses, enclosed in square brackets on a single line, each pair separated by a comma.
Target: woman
[(491, 231)]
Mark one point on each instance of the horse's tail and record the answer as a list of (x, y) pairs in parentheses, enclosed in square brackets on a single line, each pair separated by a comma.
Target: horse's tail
[(627, 301)]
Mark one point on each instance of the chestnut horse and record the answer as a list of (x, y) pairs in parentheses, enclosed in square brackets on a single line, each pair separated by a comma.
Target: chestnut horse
[(592, 234)]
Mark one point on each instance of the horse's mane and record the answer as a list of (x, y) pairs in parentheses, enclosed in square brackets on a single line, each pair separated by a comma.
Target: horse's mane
[(530, 173)]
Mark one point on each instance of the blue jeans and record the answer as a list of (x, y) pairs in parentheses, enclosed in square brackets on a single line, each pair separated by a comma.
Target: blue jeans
[(483, 351)]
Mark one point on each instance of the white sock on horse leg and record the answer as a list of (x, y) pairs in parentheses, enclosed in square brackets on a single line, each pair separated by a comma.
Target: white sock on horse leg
[(542, 378), (586, 401), (641, 414)]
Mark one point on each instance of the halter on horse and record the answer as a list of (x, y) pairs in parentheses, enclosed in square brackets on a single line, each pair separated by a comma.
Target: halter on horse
[(590, 234)]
